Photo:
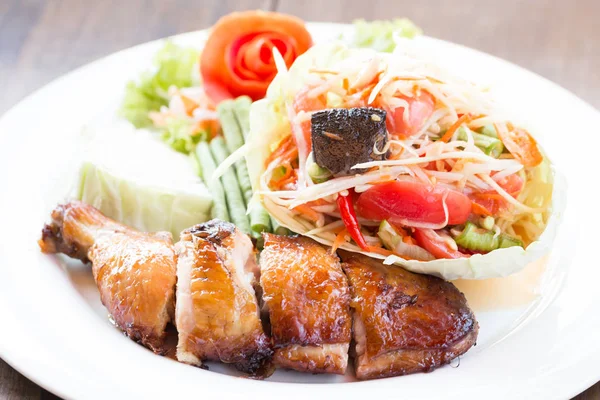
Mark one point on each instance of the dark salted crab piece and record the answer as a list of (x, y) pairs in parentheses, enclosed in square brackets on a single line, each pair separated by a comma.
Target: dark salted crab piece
[(342, 138)]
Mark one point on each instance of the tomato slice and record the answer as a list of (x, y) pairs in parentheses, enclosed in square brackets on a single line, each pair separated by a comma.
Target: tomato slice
[(513, 184), (302, 101), (301, 131), (435, 244), (413, 204), (491, 201), (420, 108), (487, 206)]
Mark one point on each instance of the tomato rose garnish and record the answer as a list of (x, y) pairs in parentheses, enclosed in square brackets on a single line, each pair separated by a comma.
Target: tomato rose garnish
[(238, 56)]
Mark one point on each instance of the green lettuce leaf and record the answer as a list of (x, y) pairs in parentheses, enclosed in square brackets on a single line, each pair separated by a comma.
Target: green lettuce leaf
[(174, 66), (379, 35), (178, 134)]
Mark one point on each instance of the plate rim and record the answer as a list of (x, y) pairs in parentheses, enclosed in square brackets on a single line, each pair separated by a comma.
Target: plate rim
[(18, 363)]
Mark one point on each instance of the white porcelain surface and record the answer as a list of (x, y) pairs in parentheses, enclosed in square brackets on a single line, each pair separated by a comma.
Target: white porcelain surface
[(55, 331)]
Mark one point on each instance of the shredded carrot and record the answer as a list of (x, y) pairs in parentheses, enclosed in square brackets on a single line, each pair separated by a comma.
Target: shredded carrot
[(522, 146), (475, 118), (338, 229), (496, 128), (288, 172), (387, 253), (479, 209), (284, 146), (408, 240), (492, 196), (440, 165), (282, 183), (189, 104), (382, 179), (287, 155), (158, 118), (340, 239), (307, 212), (295, 162), (450, 132), (290, 155), (381, 251), (322, 99), (397, 155), (317, 202), (324, 71), (210, 126), (361, 91), (290, 186), (400, 230), (366, 92)]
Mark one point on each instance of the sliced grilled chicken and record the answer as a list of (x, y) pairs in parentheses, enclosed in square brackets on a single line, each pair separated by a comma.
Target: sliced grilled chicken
[(217, 313), (307, 297), (134, 271), (405, 322)]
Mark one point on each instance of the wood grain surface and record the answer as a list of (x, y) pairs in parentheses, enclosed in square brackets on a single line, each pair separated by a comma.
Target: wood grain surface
[(43, 39)]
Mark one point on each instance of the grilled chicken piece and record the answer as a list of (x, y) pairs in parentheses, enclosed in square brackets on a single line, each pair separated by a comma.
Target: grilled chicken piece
[(405, 322), (307, 297), (217, 313), (134, 271)]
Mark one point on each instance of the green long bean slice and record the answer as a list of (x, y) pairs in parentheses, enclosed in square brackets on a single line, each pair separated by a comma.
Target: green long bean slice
[(242, 112), (278, 229), (207, 167), (233, 193), (231, 128), (235, 135), (489, 145), (488, 130), (234, 140)]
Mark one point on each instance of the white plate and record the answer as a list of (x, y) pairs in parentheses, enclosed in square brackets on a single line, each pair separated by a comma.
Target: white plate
[(55, 331)]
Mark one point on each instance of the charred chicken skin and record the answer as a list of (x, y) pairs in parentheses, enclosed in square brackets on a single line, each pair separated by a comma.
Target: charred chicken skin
[(307, 297), (217, 313), (404, 322), (134, 271)]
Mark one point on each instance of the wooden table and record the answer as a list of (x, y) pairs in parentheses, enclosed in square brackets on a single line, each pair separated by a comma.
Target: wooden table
[(43, 39)]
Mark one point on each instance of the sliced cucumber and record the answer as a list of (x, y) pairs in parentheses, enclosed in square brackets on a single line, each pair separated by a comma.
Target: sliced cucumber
[(509, 241), (488, 130), (474, 238), (318, 174), (477, 239), (489, 145)]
